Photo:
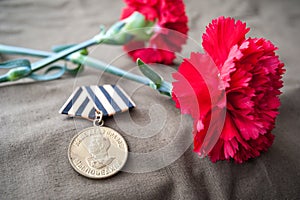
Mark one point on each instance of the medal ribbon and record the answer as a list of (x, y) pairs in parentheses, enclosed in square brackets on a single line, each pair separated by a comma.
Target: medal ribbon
[(85, 100)]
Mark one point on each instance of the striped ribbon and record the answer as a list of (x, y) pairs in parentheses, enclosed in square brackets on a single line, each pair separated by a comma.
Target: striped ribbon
[(85, 100)]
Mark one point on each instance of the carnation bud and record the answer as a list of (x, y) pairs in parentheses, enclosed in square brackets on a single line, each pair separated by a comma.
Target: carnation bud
[(18, 73), (133, 27)]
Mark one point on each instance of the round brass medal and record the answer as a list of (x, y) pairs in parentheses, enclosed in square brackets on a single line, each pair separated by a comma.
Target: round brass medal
[(98, 152)]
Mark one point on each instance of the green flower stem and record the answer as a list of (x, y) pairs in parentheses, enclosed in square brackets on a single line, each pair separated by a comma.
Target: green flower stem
[(165, 88), (7, 49), (55, 57), (17, 72), (115, 35), (118, 34)]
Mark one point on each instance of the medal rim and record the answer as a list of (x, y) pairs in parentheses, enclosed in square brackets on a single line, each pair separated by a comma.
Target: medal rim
[(86, 175)]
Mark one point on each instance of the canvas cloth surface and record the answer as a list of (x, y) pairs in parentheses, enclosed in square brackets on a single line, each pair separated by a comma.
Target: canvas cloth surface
[(34, 137)]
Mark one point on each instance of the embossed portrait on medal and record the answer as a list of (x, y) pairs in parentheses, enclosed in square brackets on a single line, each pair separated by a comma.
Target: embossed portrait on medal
[(98, 149)]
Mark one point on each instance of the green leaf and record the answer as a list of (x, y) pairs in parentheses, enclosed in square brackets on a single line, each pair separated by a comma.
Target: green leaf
[(60, 70), (76, 70), (149, 73), (15, 63)]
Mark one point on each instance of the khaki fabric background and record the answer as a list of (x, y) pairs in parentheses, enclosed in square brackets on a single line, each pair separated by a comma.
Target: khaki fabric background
[(34, 138)]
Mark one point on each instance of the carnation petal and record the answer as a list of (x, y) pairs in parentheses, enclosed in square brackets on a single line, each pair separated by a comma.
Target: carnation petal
[(221, 35)]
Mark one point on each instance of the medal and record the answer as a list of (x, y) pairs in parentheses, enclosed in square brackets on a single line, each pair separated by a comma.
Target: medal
[(98, 151)]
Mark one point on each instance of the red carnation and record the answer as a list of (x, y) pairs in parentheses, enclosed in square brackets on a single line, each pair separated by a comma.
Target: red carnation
[(170, 30), (249, 72)]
